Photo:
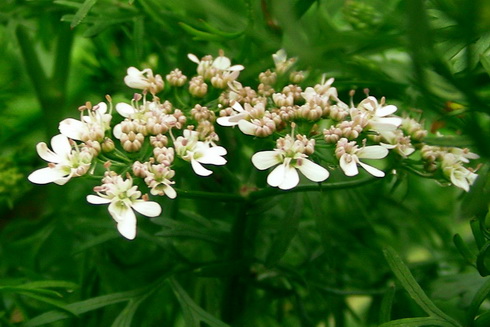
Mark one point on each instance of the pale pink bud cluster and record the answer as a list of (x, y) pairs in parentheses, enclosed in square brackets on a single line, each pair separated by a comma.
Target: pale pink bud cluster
[(176, 78), (197, 87)]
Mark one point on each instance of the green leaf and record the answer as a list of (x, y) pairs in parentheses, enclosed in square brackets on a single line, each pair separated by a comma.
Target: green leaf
[(285, 232), (125, 318), (409, 283), (485, 62), (476, 302), (82, 12), (201, 35), (483, 320), (464, 250), (58, 304), (483, 260), (83, 306), (386, 304), (416, 322), (193, 313)]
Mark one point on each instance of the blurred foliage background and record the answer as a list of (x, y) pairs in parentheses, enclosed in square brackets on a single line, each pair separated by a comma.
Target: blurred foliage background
[(298, 259)]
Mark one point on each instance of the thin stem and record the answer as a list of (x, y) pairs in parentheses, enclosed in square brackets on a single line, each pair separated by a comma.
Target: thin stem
[(235, 293), (267, 192), (223, 197)]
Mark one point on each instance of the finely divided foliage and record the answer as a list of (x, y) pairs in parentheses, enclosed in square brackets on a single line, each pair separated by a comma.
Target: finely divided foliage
[(315, 132)]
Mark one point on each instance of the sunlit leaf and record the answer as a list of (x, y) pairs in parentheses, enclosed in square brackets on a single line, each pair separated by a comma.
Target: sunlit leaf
[(82, 12)]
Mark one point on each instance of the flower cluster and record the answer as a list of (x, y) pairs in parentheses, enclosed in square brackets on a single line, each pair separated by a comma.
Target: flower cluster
[(149, 140)]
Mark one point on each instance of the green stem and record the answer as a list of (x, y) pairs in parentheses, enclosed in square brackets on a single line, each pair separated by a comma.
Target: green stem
[(235, 292), (223, 197), (267, 192), (50, 91)]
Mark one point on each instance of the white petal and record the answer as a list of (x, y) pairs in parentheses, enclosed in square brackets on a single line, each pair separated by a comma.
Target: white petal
[(284, 177), (63, 180), (313, 171), (247, 127), (102, 108), (46, 175), (193, 58), (225, 121), (213, 156), (72, 128), (291, 178), (236, 68), (199, 169), (125, 109), (381, 127), (372, 152), (349, 168), (386, 110), (117, 131), (147, 208), (389, 120), (222, 63), (125, 218), (276, 176), (458, 180), (133, 72), (46, 154), (127, 227), (94, 199), (61, 146), (170, 192), (265, 159), (237, 107), (279, 56), (373, 171)]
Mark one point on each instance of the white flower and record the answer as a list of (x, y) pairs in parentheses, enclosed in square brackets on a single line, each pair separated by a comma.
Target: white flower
[(123, 198), (281, 61), (90, 127), (397, 141), (223, 63), (378, 114), (233, 119), (349, 154), (459, 175), (64, 162), (288, 157), (189, 148), (144, 80)]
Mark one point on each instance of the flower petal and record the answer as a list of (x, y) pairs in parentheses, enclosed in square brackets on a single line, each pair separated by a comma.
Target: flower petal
[(147, 208), (284, 177), (225, 121), (46, 154), (372, 152), (386, 110), (459, 180), (291, 178), (125, 109), (193, 58), (222, 63), (199, 169), (125, 218), (117, 131), (312, 171), (265, 159), (94, 199), (349, 167), (46, 175), (61, 146), (373, 171), (247, 127), (72, 128), (213, 156)]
